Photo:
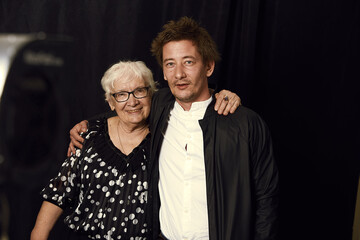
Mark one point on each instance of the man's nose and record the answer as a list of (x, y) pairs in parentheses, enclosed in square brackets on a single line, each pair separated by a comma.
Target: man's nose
[(179, 72)]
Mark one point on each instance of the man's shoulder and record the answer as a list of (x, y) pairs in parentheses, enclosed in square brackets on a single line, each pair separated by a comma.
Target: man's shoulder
[(243, 112), (162, 92), (244, 116), (163, 95), (160, 100), (243, 120)]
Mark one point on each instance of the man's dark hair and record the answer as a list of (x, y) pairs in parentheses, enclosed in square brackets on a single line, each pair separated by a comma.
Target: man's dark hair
[(185, 29)]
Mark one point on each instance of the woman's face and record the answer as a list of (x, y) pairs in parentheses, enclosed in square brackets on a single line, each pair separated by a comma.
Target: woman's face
[(133, 111)]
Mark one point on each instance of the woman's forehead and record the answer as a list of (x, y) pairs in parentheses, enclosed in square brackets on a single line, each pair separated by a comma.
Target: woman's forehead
[(129, 83)]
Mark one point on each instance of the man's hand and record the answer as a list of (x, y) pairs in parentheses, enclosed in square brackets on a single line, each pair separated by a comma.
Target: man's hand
[(76, 139), (226, 102)]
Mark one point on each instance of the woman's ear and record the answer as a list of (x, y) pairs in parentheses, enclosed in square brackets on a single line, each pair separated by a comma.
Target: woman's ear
[(111, 105)]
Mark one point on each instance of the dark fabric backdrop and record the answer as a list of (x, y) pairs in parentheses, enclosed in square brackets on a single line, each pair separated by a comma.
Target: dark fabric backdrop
[(294, 62)]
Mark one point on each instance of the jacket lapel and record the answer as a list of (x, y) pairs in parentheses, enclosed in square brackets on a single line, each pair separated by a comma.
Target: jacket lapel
[(208, 126)]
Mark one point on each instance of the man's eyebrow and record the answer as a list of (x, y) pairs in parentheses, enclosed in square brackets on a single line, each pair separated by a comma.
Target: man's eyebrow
[(189, 57), (170, 59), (167, 59)]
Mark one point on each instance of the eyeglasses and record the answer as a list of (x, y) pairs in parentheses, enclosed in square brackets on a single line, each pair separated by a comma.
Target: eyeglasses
[(137, 93)]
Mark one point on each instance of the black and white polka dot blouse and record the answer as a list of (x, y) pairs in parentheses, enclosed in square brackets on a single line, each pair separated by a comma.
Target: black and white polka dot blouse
[(105, 189)]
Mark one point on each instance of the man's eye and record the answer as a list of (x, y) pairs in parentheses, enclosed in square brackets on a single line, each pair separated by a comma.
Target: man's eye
[(170, 64), (189, 62)]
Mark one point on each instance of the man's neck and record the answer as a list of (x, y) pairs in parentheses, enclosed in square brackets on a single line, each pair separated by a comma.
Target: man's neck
[(185, 105)]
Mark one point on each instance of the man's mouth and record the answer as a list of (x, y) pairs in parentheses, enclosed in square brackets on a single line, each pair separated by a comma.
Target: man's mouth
[(182, 85)]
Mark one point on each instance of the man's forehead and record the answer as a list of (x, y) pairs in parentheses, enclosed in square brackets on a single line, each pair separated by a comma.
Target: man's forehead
[(180, 43), (180, 49)]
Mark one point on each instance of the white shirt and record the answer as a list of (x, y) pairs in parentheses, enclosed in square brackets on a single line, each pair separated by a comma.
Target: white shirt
[(182, 185)]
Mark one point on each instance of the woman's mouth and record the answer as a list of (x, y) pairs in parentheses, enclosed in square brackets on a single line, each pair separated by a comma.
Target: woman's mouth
[(133, 111)]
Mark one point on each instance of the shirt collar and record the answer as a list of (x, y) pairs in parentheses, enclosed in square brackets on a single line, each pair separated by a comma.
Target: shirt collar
[(197, 110)]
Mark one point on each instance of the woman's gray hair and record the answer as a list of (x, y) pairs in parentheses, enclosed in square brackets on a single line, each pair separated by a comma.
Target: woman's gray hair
[(126, 71)]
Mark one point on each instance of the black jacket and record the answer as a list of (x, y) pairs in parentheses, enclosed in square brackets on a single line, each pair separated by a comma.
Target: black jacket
[(241, 173)]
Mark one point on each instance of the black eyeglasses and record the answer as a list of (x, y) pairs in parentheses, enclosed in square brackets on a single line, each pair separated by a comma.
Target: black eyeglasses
[(137, 93)]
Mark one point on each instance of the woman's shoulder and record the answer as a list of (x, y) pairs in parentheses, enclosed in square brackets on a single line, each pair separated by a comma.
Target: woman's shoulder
[(96, 125)]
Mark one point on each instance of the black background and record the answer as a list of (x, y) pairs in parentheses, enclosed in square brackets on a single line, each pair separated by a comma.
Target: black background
[(294, 62)]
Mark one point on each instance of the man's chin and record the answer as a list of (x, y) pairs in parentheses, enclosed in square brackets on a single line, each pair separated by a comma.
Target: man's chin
[(183, 98)]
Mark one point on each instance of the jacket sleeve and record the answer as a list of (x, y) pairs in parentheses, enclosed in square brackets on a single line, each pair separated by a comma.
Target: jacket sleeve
[(265, 180)]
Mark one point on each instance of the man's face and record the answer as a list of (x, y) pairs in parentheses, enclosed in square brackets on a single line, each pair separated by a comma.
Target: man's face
[(186, 73)]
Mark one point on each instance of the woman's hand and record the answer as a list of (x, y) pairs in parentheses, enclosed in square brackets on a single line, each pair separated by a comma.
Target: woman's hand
[(226, 102)]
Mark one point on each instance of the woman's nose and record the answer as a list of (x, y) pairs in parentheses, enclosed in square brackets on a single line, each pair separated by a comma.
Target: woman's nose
[(132, 101)]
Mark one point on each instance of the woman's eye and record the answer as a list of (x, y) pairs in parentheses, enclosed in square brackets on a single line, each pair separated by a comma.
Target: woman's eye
[(122, 94), (141, 90)]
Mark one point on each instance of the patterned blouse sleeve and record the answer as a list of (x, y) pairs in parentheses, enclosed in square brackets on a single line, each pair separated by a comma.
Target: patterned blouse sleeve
[(63, 190)]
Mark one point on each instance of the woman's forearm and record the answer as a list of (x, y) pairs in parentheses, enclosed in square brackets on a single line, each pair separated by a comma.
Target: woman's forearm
[(45, 221)]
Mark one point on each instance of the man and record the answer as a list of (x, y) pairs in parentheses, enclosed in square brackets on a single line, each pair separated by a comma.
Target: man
[(212, 176), (216, 176)]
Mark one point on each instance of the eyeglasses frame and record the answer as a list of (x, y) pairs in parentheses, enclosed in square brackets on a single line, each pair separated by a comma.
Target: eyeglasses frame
[(132, 92)]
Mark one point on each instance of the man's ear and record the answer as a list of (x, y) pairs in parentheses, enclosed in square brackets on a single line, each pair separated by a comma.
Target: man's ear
[(210, 68), (165, 78)]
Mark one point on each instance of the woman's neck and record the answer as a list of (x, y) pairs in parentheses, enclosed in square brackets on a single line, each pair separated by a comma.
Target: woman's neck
[(132, 128), (126, 137)]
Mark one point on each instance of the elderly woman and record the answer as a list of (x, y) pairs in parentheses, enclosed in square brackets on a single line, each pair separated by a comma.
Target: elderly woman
[(105, 183)]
